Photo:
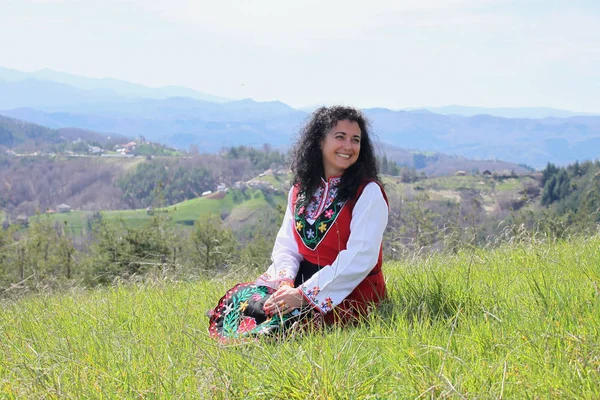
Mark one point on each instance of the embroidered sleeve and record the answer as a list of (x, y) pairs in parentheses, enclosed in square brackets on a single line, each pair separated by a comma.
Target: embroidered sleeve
[(332, 284), (286, 258)]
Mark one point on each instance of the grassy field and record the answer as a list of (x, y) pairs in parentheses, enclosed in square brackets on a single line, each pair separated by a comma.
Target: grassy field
[(521, 321), (278, 181), (182, 213)]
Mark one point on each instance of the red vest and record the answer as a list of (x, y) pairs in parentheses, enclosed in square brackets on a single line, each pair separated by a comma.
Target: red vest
[(321, 242)]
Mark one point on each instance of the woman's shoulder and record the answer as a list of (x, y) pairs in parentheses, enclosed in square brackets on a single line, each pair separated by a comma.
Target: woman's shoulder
[(372, 188), (371, 185)]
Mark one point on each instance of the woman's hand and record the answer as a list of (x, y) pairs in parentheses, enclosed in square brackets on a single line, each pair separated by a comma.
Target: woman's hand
[(284, 300)]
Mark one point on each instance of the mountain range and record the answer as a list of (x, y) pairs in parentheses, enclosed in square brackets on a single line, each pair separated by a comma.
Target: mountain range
[(180, 117)]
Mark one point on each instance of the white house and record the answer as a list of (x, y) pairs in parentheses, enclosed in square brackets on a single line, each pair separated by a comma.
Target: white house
[(63, 208)]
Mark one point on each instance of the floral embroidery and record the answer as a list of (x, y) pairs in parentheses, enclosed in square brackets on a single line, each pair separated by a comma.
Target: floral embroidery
[(311, 234), (323, 227), (311, 294), (327, 305), (282, 274), (247, 324), (331, 196), (228, 308), (256, 297), (228, 319), (265, 277), (315, 201)]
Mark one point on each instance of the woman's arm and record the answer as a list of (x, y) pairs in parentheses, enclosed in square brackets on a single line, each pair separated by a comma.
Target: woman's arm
[(286, 258), (332, 284)]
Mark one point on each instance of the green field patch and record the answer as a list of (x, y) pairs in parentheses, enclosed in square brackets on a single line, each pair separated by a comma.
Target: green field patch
[(454, 183), (511, 184), (277, 181), (426, 153), (183, 214)]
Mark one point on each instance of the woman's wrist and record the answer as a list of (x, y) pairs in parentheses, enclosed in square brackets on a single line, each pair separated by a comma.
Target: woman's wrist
[(303, 301)]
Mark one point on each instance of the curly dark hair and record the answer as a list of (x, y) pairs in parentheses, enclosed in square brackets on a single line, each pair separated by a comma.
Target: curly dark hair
[(307, 159)]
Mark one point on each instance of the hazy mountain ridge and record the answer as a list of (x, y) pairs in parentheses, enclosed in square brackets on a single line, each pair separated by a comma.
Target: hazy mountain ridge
[(529, 141), (116, 86), (182, 121), (507, 112)]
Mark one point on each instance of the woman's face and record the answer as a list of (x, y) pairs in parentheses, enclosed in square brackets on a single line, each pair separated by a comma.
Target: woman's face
[(340, 147)]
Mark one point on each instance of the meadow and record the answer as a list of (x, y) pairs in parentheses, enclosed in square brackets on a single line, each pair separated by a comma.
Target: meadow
[(518, 321), (185, 213)]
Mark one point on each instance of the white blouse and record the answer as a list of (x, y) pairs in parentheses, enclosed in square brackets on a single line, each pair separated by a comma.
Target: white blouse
[(333, 283)]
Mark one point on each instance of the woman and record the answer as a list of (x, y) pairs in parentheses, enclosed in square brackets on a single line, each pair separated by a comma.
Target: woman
[(327, 254)]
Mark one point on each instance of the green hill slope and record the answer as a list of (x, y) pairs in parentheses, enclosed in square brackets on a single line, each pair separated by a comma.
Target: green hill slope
[(235, 206)]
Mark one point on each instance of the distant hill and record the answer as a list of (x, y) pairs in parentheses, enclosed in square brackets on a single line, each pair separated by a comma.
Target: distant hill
[(178, 122), (17, 134), (441, 164), (38, 94), (14, 133), (533, 142), (507, 112), (114, 86)]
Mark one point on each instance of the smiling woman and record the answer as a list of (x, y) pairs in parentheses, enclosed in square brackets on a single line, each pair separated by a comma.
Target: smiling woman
[(327, 255), (340, 147)]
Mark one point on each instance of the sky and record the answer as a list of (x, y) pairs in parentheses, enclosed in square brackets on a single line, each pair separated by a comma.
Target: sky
[(395, 54)]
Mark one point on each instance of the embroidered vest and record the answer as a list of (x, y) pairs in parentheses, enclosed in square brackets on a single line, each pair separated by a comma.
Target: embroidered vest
[(320, 242)]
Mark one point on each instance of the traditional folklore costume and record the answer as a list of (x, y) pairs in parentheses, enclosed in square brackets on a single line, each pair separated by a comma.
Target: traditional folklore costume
[(331, 249)]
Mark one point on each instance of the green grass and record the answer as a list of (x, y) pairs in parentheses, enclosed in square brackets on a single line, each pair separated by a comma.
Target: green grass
[(521, 321), (454, 183), (511, 184), (184, 213), (277, 181)]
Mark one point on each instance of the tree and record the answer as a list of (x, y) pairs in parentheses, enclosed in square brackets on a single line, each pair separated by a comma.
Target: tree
[(393, 168), (419, 161), (420, 220), (213, 246), (408, 175), (548, 172), (556, 188), (41, 254), (121, 251), (80, 147)]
